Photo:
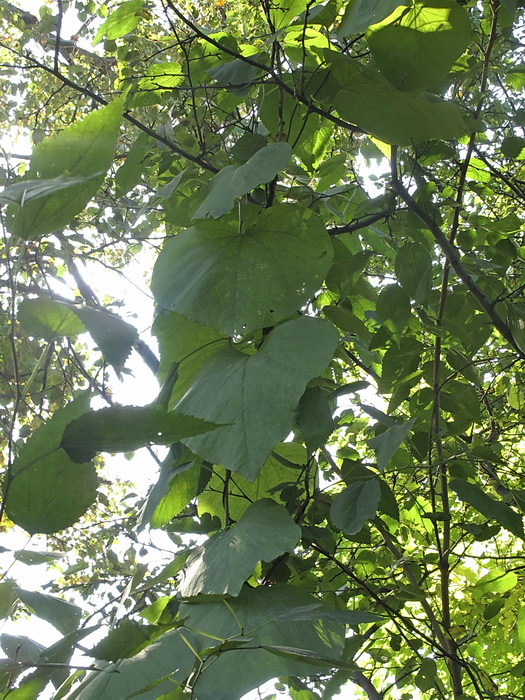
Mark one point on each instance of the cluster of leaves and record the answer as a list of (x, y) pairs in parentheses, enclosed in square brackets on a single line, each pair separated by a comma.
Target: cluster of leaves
[(341, 356)]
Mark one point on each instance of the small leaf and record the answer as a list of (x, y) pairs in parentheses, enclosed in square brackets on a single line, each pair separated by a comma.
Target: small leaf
[(126, 428), (314, 418), (386, 444), (497, 581), (236, 180), (355, 505), (59, 613), (414, 270), (121, 21), (393, 308)]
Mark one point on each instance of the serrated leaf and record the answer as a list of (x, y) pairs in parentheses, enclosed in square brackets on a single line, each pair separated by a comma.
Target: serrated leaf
[(226, 560), (257, 394), (356, 504), (237, 281), (236, 180), (126, 428)]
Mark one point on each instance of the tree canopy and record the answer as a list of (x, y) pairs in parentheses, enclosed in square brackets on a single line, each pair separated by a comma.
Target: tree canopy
[(332, 194)]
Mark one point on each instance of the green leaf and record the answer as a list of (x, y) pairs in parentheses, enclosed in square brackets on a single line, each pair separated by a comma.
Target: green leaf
[(360, 14), (236, 180), (513, 146), (27, 191), (181, 479), (121, 21), (426, 676), (363, 97), (315, 418), (126, 428), (282, 12), (169, 656), (310, 657), (84, 149), (487, 506), (123, 641), (393, 308), (387, 443), (20, 648), (48, 319), (256, 614), (257, 394), (48, 491), (414, 270), (497, 581), (236, 281), (8, 597), (59, 613), (129, 174), (355, 505), (114, 337), (416, 46), (224, 562)]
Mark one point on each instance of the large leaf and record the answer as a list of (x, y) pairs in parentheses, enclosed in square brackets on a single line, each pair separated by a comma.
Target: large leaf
[(360, 14), (82, 150), (59, 613), (224, 562), (169, 656), (257, 394), (235, 180), (355, 505), (126, 428), (236, 281), (415, 47), (363, 96), (26, 191), (257, 616), (48, 491), (487, 506)]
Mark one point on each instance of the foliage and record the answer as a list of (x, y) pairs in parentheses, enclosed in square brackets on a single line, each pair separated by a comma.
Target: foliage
[(334, 192)]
